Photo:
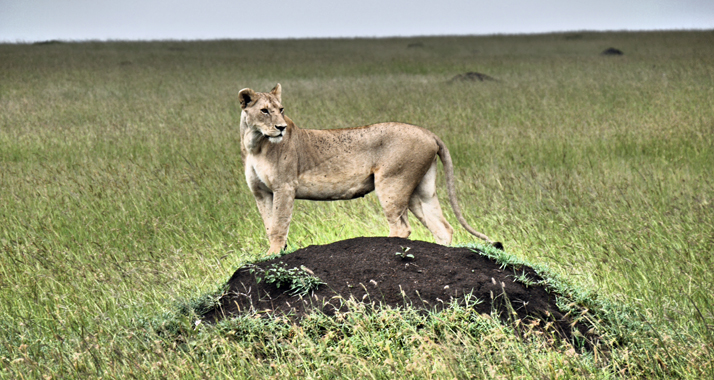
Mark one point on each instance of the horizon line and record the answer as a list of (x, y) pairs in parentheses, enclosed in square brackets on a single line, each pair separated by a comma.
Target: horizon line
[(112, 40)]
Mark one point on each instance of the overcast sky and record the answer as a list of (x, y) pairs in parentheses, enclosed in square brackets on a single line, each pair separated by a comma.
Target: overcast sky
[(40, 20)]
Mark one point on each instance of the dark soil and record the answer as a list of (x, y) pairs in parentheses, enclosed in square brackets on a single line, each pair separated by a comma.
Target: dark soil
[(369, 270), (612, 51), (472, 76)]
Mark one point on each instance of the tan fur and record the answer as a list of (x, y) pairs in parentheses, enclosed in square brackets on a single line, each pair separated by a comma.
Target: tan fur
[(397, 160)]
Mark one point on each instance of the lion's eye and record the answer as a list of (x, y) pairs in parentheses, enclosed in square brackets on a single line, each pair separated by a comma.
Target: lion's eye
[(265, 111), (282, 109)]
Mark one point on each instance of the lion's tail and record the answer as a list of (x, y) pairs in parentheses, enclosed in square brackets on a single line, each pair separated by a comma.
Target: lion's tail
[(451, 189)]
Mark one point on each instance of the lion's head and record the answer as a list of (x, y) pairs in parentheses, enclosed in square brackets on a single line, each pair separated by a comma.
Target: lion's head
[(263, 112)]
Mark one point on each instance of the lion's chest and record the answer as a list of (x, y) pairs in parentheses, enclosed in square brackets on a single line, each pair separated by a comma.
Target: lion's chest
[(259, 174)]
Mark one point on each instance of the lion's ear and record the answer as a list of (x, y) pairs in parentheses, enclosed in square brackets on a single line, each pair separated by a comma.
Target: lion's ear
[(246, 96), (277, 91)]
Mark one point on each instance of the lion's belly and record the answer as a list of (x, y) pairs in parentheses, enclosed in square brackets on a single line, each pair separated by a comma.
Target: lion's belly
[(316, 188)]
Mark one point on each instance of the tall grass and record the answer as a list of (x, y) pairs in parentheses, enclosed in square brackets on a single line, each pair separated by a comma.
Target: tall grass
[(122, 195)]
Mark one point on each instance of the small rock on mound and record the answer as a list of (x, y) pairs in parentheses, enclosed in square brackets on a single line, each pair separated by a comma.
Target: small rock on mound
[(428, 276), (612, 51), (472, 76)]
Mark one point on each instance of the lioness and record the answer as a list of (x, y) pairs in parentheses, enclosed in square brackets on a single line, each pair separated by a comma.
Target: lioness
[(397, 160)]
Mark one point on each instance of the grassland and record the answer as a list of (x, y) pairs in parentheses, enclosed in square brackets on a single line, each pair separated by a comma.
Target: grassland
[(122, 198)]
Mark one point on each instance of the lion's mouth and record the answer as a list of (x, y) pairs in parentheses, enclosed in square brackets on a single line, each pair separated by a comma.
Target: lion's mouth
[(275, 139)]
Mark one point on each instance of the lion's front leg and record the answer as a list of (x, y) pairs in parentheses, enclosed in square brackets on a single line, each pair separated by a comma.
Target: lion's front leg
[(264, 200), (282, 212)]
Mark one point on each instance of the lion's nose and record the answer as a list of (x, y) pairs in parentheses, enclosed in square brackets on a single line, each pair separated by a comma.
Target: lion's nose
[(281, 127)]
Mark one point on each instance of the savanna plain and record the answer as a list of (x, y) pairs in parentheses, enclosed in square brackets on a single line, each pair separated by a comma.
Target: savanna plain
[(123, 203)]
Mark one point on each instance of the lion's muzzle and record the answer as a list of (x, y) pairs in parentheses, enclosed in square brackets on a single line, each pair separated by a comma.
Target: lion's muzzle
[(279, 137)]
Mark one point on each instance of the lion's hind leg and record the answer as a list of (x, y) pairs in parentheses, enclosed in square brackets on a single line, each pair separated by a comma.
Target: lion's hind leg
[(425, 206), (394, 205)]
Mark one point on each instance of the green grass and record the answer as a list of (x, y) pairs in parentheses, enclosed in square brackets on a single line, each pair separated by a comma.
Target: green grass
[(122, 197)]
